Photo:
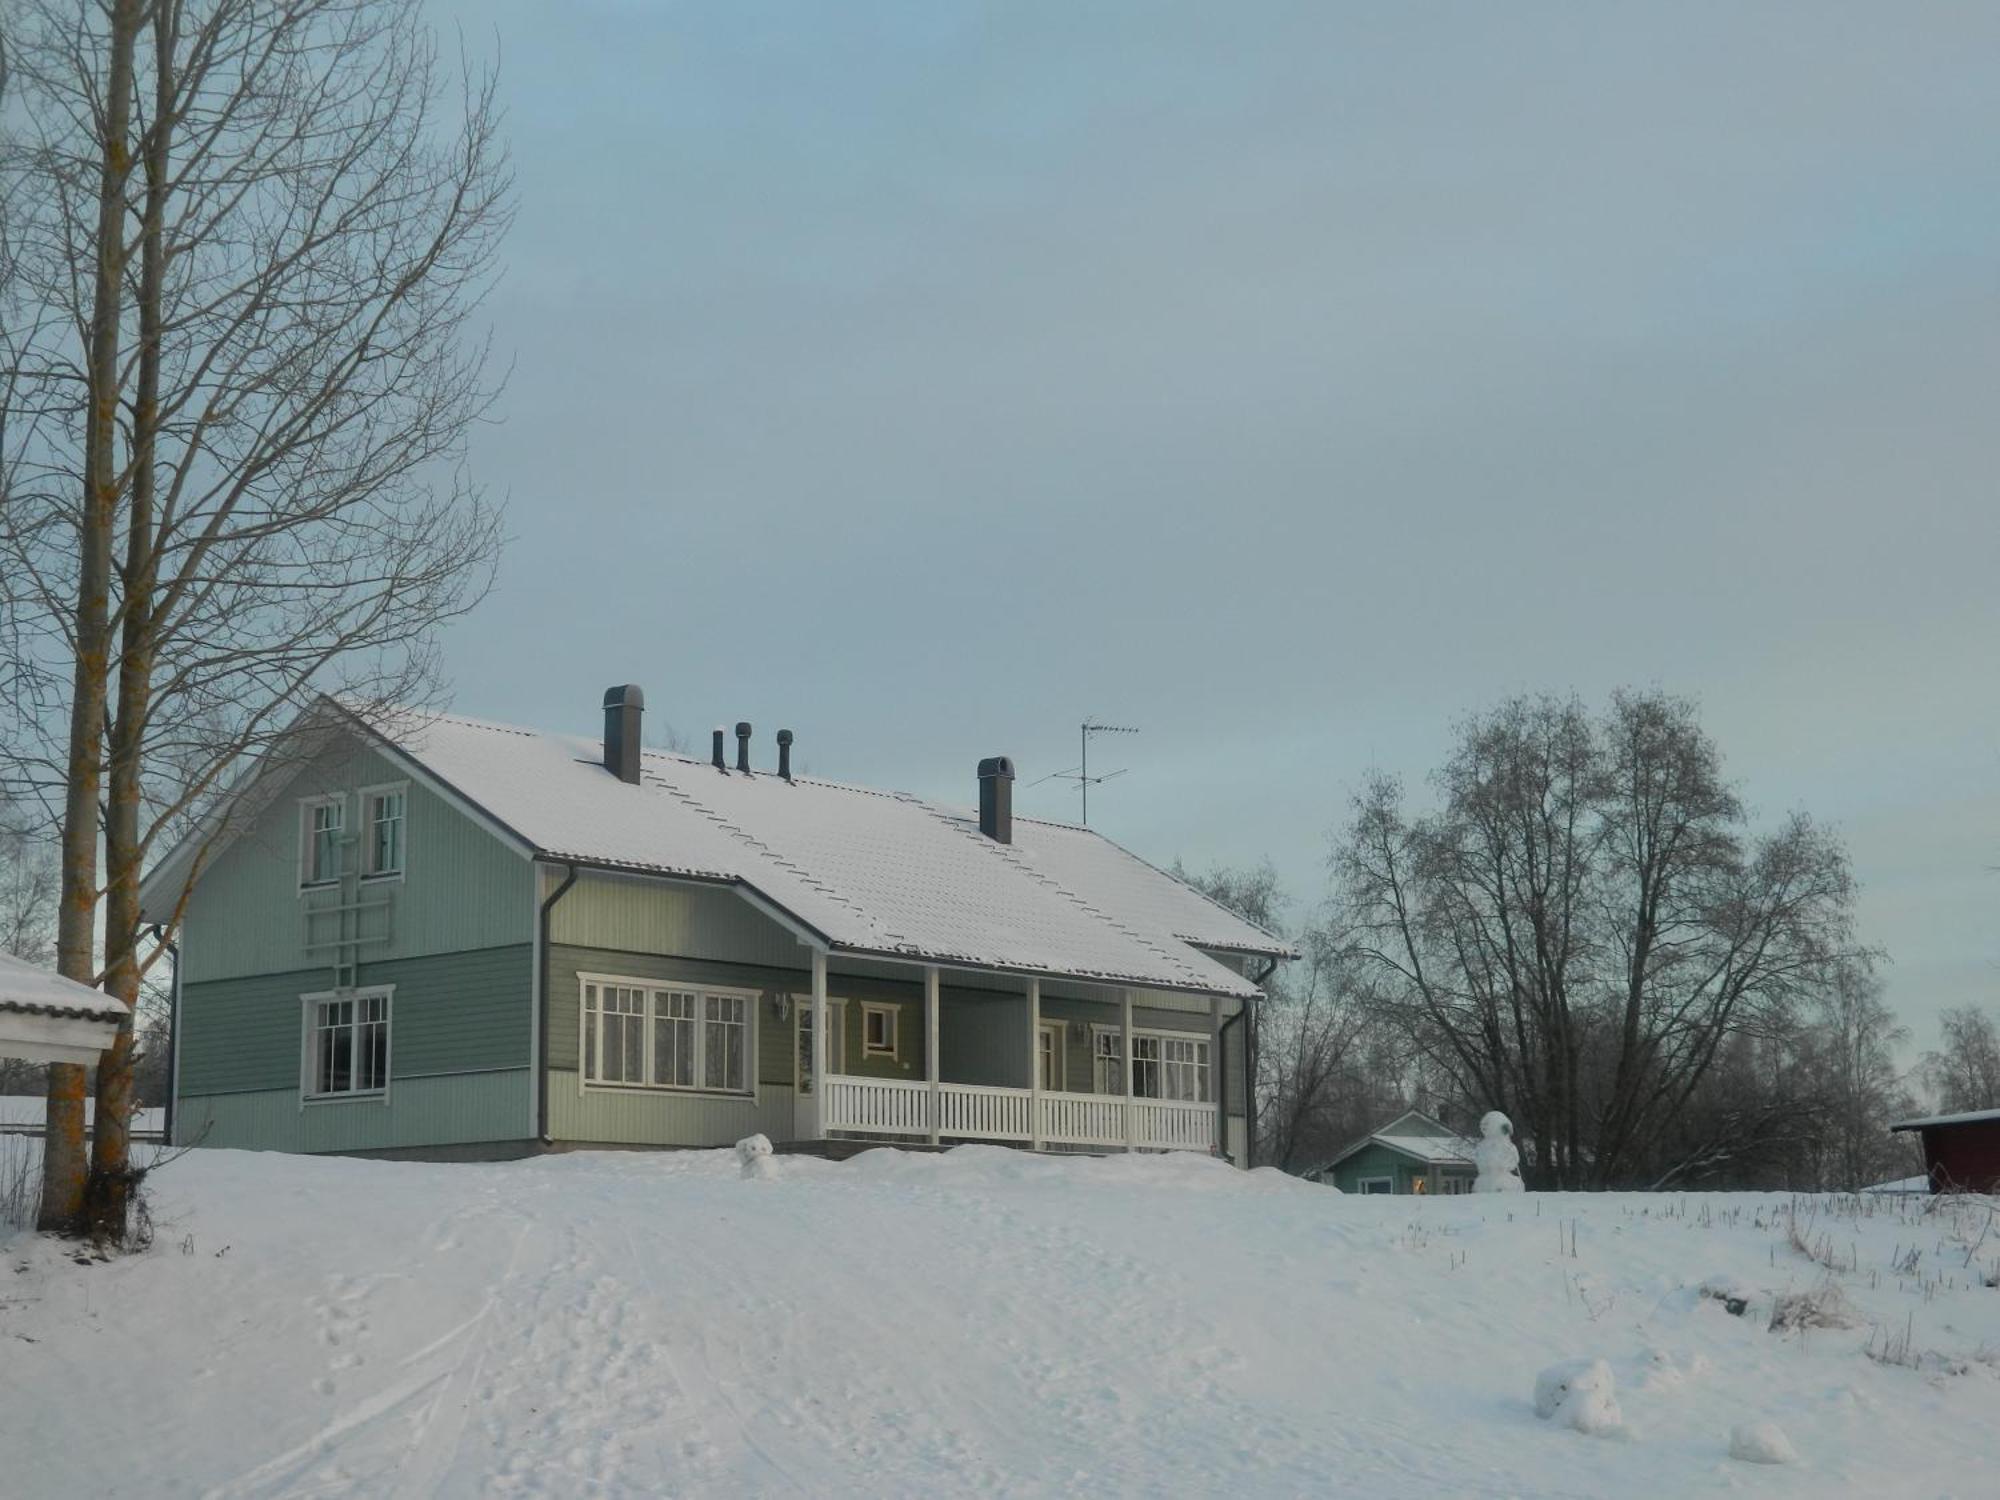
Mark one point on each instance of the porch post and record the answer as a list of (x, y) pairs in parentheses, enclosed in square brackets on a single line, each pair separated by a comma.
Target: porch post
[(1215, 1074), (931, 1044), (1125, 1051), (1035, 1064), (819, 1047)]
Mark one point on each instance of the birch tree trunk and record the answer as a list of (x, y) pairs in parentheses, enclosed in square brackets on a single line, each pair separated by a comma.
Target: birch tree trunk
[(107, 1208), (63, 1164)]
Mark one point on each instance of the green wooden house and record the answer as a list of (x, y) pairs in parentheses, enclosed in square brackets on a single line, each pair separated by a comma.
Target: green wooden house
[(1413, 1153), (432, 936)]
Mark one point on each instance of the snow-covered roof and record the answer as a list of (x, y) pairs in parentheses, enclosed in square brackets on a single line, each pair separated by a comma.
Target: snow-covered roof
[(1140, 895), (35, 991), (863, 871), (1444, 1150), (1968, 1117), (1418, 1135)]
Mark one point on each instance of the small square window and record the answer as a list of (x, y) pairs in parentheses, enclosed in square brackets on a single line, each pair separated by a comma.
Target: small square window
[(878, 1030)]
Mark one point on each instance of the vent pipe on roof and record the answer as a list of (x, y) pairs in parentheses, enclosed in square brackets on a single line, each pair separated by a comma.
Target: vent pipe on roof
[(743, 746), (785, 753), (716, 753), (622, 708), (996, 799)]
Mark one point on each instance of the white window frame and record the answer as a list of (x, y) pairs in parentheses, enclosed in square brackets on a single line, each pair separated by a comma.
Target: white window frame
[(368, 796), (1057, 1054), (652, 990), (309, 1034), (307, 841), (894, 1017), (1366, 1185), (1204, 1062)]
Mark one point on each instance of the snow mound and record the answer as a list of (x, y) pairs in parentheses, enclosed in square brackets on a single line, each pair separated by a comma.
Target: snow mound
[(1661, 1370), (1579, 1393), (1761, 1443)]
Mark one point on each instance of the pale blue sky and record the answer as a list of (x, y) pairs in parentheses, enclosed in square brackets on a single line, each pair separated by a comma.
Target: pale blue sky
[(1285, 380)]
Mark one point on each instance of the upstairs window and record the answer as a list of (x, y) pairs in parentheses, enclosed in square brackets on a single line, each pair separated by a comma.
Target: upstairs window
[(321, 831), (382, 812), (347, 1044)]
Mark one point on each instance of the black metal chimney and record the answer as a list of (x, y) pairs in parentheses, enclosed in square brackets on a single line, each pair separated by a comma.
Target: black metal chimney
[(622, 707), (785, 753), (996, 799), (715, 754), (743, 746)]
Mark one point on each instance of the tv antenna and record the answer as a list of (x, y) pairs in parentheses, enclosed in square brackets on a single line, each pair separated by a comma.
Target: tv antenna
[(1080, 774)]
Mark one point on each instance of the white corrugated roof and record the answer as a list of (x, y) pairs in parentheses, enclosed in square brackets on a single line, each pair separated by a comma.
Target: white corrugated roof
[(25, 987), (871, 872), (1140, 895)]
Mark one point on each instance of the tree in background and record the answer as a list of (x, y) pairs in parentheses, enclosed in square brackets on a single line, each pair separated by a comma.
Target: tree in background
[(1326, 1072), (30, 880), (1585, 923), (1964, 1073), (299, 231)]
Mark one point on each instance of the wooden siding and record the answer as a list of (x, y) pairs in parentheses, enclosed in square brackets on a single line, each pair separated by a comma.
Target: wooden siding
[(640, 1117), (458, 1109), (452, 1013), (637, 915), (462, 888)]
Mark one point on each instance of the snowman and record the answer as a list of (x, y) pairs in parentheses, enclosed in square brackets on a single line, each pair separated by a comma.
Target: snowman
[(1498, 1160)]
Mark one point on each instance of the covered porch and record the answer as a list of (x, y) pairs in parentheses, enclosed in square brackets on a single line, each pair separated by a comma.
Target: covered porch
[(1143, 1089)]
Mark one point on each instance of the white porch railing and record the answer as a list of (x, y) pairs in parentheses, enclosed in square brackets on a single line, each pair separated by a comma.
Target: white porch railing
[(967, 1111)]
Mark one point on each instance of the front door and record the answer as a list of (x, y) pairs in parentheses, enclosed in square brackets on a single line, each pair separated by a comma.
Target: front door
[(1049, 1056), (802, 1051)]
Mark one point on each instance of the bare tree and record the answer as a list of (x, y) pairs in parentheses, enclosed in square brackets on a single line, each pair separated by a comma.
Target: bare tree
[(30, 881), (1964, 1073), (310, 231), (1583, 923)]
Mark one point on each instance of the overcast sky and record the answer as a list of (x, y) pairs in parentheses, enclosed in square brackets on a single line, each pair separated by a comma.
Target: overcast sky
[(1283, 380)]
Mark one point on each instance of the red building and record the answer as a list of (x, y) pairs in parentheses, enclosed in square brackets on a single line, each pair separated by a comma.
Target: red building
[(1961, 1152)]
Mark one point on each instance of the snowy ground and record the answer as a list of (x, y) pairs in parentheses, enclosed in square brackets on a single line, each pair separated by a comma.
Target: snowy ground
[(979, 1323)]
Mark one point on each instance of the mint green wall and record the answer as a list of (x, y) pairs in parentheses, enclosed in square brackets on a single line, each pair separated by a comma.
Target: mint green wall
[(1380, 1161), (463, 888), (452, 1110), (452, 1013)]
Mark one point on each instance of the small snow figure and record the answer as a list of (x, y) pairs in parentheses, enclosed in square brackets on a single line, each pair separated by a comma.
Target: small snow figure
[(1578, 1393), (1761, 1443), (754, 1152), (1496, 1156)]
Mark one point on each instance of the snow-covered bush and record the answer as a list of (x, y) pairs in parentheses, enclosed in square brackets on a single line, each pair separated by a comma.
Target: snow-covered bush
[(1824, 1306), (1579, 1393), (1761, 1443)]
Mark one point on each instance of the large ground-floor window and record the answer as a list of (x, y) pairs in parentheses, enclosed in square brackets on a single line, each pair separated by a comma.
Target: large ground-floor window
[(347, 1044), (1165, 1065), (644, 1034)]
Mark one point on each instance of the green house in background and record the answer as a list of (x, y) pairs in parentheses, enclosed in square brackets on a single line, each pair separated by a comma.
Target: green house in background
[(423, 935), (1413, 1153)]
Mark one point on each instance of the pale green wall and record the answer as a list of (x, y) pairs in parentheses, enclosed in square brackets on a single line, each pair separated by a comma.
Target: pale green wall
[(458, 1109), (463, 889), (452, 1013)]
